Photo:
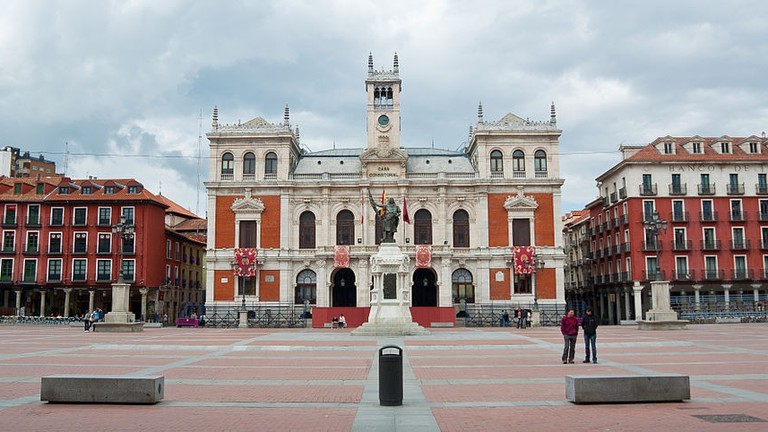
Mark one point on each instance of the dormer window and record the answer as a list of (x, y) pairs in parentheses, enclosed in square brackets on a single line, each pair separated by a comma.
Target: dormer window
[(109, 190), (696, 147), (668, 148), (17, 189), (64, 190), (85, 190), (754, 148), (133, 189), (40, 189), (725, 147)]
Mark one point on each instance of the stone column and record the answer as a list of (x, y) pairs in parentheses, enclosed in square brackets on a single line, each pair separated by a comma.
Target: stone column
[(91, 298), (627, 311), (697, 296), (618, 306), (18, 301), (144, 292), (727, 294), (42, 303), (609, 305), (756, 294), (637, 291), (67, 296)]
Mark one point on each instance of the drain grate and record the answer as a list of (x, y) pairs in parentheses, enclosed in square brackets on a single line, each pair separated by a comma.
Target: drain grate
[(730, 418)]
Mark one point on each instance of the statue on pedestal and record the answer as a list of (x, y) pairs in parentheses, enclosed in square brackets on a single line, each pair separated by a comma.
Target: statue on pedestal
[(390, 217)]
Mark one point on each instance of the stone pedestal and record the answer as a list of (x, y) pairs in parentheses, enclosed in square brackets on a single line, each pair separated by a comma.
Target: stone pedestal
[(243, 323), (120, 319), (661, 316), (390, 313)]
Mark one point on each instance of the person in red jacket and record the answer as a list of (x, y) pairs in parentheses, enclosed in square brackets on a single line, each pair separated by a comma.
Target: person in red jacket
[(569, 327)]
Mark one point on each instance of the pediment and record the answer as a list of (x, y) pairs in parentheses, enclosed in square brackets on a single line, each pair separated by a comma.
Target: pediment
[(512, 119), (248, 204), (383, 154), (256, 123), (520, 202)]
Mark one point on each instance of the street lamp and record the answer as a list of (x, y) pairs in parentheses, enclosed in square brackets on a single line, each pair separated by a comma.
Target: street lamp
[(537, 264), (124, 230), (653, 225)]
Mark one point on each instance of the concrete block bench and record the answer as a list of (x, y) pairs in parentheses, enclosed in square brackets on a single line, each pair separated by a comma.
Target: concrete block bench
[(102, 389), (627, 388)]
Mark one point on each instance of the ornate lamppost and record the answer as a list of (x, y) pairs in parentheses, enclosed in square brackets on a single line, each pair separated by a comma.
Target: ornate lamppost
[(537, 263), (125, 231), (653, 225)]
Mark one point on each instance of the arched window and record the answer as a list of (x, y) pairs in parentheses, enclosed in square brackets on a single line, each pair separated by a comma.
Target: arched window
[(345, 228), (306, 287), (270, 164), (463, 289), (227, 164), (307, 230), (518, 161), (460, 229), (497, 163), (422, 227), (249, 164), (540, 161)]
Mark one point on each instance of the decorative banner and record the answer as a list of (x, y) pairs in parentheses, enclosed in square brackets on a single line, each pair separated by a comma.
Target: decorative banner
[(245, 262), (341, 256), (423, 256), (406, 218), (524, 259)]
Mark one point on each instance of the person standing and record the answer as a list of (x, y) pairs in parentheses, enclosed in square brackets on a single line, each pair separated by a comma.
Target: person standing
[(569, 327), (342, 321), (87, 321), (589, 324)]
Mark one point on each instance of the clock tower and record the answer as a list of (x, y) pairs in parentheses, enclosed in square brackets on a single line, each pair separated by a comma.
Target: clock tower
[(383, 157)]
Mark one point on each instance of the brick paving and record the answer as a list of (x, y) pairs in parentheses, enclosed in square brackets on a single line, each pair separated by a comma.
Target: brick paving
[(324, 379)]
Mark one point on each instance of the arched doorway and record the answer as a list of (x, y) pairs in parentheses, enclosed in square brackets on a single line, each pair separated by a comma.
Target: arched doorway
[(344, 290), (424, 290)]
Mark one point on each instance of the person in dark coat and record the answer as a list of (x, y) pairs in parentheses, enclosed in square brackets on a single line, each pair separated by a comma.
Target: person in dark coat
[(589, 324)]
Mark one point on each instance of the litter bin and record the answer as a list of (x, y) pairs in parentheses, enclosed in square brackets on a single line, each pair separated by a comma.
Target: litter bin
[(390, 376)]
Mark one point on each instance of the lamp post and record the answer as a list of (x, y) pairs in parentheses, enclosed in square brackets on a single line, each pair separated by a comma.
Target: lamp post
[(653, 225), (124, 230), (537, 264)]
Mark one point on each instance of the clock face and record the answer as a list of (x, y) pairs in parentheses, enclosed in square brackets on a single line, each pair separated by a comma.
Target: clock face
[(383, 120)]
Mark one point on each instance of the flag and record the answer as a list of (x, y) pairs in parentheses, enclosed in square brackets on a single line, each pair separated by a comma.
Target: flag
[(406, 218), (383, 202), (362, 208)]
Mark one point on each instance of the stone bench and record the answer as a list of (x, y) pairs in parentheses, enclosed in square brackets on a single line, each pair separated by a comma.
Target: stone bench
[(441, 324), (102, 389), (627, 388)]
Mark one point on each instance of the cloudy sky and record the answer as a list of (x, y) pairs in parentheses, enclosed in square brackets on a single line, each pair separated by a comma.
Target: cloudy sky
[(123, 84)]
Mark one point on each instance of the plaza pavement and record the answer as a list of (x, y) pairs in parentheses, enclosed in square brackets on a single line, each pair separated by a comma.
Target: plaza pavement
[(492, 379)]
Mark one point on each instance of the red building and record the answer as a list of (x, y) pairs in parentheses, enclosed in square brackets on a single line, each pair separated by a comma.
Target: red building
[(60, 255), (709, 200)]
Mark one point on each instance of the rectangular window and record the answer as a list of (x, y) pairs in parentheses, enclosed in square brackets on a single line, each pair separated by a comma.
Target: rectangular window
[(650, 267), (707, 214), (54, 270), (10, 214), (129, 270), (33, 242), (696, 147), (6, 269), (710, 267), (247, 234), (736, 213), (521, 232), (103, 270), (129, 213), (30, 270), (754, 148), (677, 185), (109, 190), (80, 216), (40, 189), (168, 249), (648, 209), (17, 189), (85, 190), (105, 216), (54, 243), (33, 214), (57, 216), (725, 147), (133, 189), (105, 243), (678, 211), (681, 268), (738, 237), (667, 148), (80, 244), (79, 270), (740, 267), (128, 245), (9, 241)]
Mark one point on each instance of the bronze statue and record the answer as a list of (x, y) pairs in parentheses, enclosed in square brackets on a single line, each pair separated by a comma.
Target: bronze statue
[(390, 218)]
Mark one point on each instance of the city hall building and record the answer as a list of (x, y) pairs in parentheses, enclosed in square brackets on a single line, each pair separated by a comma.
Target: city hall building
[(480, 226)]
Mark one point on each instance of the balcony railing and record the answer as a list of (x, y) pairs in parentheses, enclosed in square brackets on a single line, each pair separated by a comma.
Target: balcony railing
[(764, 244), (614, 197), (710, 216), (763, 216), (648, 189), (742, 274), (710, 245), (678, 189), (742, 244), (683, 275), (651, 245), (761, 189), (624, 247), (735, 189), (713, 274), (622, 193), (679, 216), (651, 275), (623, 219), (707, 189), (738, 215), (681, 245)]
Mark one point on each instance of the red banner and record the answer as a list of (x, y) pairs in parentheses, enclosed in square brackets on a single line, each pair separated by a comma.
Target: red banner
[(423, 256), (245, 262), (524, 259), (341, 256)]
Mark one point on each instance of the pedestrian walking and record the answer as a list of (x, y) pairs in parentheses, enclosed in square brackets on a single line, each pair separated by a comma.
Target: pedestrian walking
[(589, 324), (569, 327)]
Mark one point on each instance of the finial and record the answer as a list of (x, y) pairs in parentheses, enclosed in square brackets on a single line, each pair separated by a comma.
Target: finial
[(552, 116), (215, 123), (298, 135), (397, 64), (370, 63), (480, 112), (286, 116)]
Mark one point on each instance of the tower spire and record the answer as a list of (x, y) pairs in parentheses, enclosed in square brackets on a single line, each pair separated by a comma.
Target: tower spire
[(480, 112), (370, 63), (215, 124), (396, 65), (286, 116), (552, 115)]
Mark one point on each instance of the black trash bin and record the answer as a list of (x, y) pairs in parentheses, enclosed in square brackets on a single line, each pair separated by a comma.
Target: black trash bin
[(390, 376)]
